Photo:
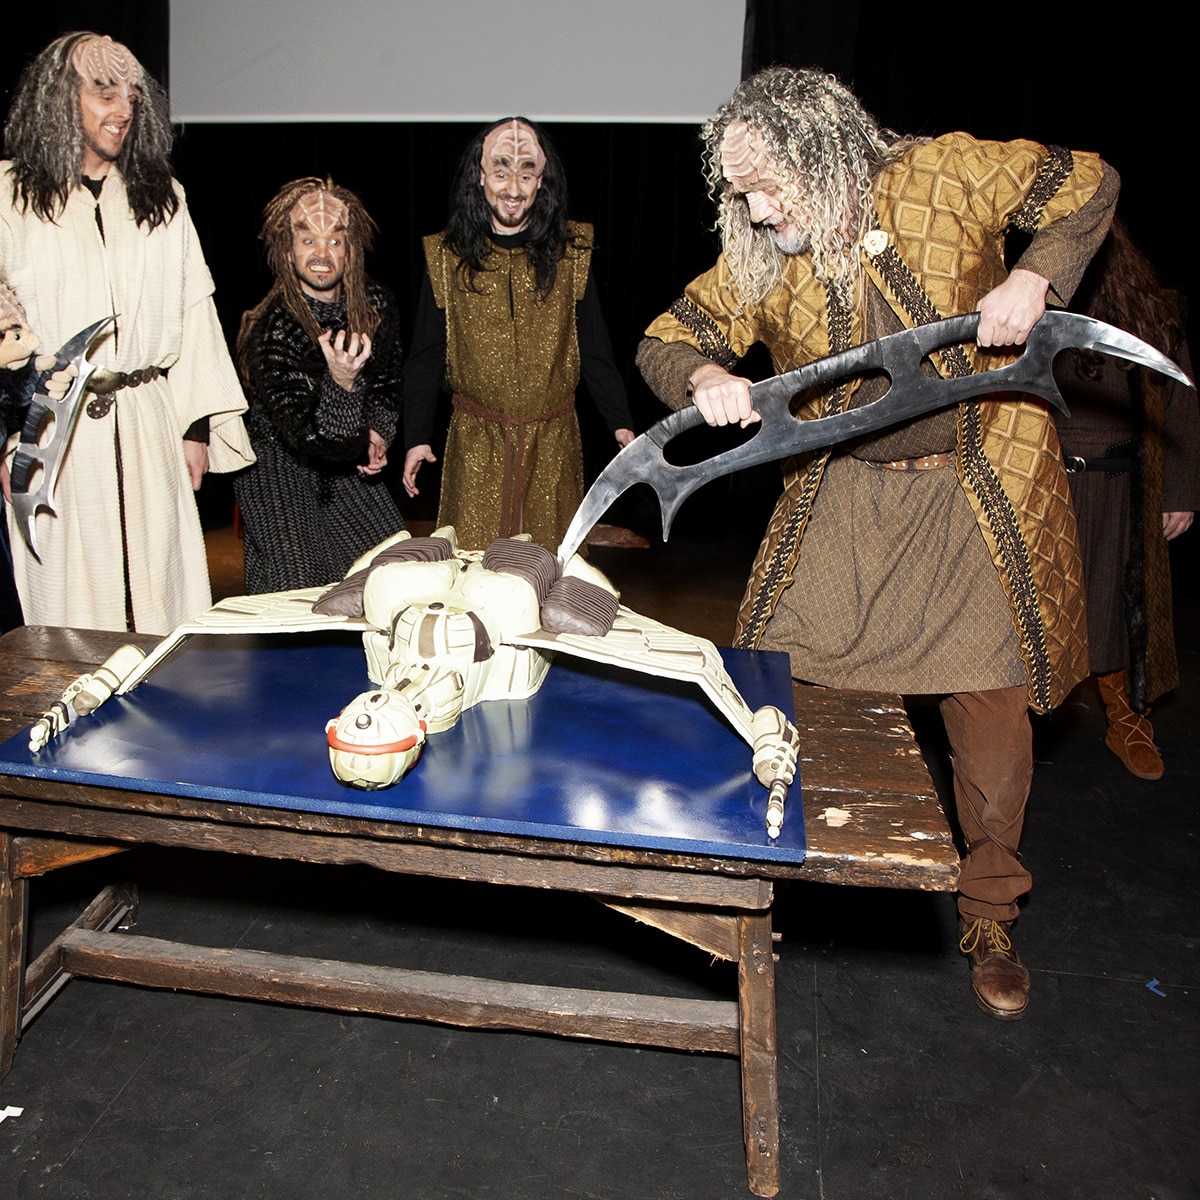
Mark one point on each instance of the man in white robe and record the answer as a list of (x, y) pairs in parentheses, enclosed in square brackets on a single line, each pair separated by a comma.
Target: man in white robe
[(111, 234)]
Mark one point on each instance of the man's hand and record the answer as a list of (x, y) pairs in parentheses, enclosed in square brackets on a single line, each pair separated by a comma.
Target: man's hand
[(1008, 312), (195, 454), (345, 355), (624, 437), (376, 454), (722, 398), (1175, 523), (412, 464)]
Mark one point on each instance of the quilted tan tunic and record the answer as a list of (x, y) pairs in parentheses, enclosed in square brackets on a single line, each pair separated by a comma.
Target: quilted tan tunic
[(925, 614)]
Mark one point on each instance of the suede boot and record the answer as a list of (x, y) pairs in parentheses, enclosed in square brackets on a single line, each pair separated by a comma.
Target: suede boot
[(1130, 736), (999, 981)]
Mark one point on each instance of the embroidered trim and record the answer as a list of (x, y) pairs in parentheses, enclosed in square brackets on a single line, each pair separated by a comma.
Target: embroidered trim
[(904, 286), (1058, 164), (777, 573), (713, 343), (1014, 556)]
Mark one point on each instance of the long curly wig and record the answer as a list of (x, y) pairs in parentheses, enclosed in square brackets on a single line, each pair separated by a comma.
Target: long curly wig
[(469, 229), (276, 233), (828, 149), (44, 138)]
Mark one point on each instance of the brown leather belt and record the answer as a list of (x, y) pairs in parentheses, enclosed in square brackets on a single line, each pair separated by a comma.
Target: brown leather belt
[(512, 486), (931, 462)]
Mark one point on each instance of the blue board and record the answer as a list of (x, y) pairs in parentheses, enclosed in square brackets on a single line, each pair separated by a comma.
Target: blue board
[(598, 755)]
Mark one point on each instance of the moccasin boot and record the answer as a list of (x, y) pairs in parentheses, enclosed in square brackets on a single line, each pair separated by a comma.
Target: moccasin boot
[(999, 982), (1130, 736)]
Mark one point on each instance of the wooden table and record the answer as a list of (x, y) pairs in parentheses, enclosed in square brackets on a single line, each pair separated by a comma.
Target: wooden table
[(872, 819)]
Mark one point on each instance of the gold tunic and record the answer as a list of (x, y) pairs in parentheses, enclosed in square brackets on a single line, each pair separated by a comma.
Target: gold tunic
[(512, 361), (945, 207)]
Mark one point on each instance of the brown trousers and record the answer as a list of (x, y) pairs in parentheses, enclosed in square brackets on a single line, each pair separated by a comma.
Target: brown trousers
[(992, 746)]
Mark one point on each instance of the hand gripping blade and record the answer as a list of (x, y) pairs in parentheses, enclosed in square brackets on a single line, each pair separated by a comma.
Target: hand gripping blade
[(64, 413), (912, 394)]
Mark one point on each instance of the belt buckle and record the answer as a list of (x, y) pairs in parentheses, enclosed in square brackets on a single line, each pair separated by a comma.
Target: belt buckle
[(1074, 464)]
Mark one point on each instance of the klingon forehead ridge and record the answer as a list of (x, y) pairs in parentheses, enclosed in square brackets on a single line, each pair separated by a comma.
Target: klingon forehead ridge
[(515, 143), (101, 61), (321, 212)]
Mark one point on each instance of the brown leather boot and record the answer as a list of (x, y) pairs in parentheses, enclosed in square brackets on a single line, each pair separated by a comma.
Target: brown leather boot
[(999, 982), (1130, 736)]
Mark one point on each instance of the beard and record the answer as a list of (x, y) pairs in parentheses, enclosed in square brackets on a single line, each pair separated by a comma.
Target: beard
[(506, 220), (796, 242), (320, 283)]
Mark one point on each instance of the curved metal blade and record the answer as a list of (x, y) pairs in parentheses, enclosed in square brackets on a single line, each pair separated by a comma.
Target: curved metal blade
[(65, 412), (912, 394)]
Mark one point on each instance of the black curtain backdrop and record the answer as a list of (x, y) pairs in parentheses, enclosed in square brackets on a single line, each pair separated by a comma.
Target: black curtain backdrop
[(1122, 85), (1117, 87)]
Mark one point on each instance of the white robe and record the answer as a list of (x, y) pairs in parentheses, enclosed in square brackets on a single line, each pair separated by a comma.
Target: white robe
[(159, 287)]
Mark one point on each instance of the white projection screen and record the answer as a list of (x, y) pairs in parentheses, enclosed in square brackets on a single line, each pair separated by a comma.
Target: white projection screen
[(452, 60)]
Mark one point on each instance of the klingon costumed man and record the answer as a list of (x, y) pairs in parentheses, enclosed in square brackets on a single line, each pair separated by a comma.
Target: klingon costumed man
[(508, 314), (938, 557), (320, 357), (91, 225), (1132, 448)]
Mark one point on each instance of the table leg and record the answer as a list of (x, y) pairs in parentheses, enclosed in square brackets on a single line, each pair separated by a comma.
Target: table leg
[(760, 1086), (14, 907)]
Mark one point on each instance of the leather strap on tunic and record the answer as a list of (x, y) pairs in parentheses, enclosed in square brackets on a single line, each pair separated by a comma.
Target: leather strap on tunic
[(512, 487)]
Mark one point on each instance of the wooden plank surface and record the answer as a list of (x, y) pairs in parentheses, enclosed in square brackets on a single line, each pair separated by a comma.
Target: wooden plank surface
[(72, 814), (872, 817), (628, 1018)]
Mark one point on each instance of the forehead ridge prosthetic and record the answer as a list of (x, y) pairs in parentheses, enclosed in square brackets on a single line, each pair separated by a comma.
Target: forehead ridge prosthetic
[(740, 158), (102, 63), (319, 212), (512, 145)]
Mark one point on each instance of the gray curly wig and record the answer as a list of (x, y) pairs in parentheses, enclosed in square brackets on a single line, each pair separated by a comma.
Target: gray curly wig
[(828, 149), (44, 137)]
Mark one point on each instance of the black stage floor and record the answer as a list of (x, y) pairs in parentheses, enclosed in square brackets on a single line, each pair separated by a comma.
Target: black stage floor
[(892, 1084)]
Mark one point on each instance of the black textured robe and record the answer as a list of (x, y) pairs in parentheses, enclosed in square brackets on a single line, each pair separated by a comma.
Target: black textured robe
[(308, 511)]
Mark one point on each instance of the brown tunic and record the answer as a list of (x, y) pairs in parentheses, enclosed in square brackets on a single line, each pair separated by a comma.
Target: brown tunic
[(894, 587)]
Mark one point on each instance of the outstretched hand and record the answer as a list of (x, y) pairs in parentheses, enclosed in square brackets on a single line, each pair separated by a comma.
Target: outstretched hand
[(345, 355)]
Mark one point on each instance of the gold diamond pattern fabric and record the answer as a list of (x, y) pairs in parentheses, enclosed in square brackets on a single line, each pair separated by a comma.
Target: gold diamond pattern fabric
[(1044, 578), (945, 208)]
